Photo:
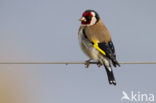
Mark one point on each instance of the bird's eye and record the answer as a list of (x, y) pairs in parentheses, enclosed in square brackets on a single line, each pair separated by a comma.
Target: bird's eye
[(89, 17)]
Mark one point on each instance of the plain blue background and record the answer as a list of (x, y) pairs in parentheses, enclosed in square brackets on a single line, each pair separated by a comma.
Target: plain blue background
[(46, 30)]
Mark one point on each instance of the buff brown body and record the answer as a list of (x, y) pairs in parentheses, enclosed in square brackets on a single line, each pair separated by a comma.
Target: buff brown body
[(98, 32)]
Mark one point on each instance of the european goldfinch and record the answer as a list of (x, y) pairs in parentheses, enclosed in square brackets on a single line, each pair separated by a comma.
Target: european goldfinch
[(95, 41)]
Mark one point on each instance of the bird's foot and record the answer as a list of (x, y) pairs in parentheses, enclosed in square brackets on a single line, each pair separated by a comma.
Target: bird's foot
[(99, 64), (87, 63)]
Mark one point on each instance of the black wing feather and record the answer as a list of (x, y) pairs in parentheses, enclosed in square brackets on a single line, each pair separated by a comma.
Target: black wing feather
[(110, 51)]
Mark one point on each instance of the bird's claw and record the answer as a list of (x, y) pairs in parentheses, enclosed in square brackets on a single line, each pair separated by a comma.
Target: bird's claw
[(99, 64), (87, 63)]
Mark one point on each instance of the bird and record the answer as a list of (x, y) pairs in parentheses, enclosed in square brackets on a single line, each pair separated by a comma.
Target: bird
[(96, 42)]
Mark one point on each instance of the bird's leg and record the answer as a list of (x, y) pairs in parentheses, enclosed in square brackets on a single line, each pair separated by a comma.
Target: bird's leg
[(87, 63), (99, 64)]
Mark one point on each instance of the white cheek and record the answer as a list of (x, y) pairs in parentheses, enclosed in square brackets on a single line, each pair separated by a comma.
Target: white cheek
[(93, 21), (93, 14)]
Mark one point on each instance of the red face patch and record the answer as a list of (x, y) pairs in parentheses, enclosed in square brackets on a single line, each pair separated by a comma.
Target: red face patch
[(88, 16)]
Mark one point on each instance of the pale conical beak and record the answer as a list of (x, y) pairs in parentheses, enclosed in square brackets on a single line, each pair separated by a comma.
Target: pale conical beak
[(82, 19)]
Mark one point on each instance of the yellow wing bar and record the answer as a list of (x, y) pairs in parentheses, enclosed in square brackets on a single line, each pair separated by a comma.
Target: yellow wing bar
[(97, 47)]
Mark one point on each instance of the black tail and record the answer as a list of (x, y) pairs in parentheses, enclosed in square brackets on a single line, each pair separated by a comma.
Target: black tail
[(110, 75)]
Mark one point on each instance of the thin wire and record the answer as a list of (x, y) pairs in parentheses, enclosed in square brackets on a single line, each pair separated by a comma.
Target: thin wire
[(137, 62)]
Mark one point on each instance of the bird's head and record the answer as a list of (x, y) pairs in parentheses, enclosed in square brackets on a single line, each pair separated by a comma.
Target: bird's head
[(89, 18)]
